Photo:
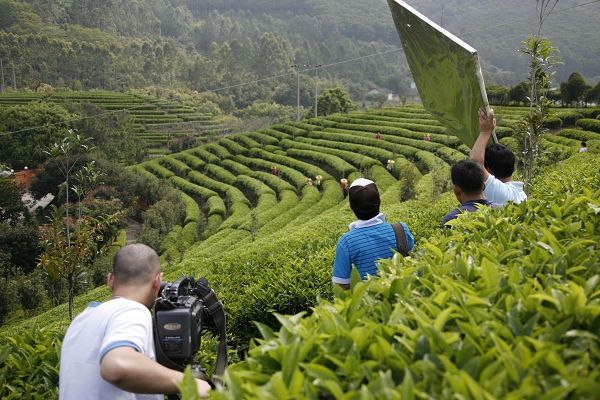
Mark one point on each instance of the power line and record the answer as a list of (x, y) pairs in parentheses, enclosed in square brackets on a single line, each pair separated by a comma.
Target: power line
[(208, 90)]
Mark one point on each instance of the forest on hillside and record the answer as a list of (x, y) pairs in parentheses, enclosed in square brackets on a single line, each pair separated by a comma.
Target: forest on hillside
[(210, 45)]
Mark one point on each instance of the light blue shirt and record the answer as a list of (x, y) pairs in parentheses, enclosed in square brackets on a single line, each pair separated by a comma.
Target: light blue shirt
[(501, 193)]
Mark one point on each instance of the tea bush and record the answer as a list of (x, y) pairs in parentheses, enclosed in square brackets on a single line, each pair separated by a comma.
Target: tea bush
[(29, 364), (505, 305)]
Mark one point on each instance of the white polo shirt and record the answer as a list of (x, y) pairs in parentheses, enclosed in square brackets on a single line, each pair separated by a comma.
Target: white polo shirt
[(100, 328)]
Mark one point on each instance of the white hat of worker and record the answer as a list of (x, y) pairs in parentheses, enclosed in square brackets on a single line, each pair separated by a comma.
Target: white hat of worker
[(361, 182)]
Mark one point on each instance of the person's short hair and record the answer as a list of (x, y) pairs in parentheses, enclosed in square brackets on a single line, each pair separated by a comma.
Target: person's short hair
[(583, 143), (135, 264), (364, 198), (468, 176), (499, 160)]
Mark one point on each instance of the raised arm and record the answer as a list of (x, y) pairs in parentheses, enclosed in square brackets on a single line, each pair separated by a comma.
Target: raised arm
[(487, 123), (129, 370)]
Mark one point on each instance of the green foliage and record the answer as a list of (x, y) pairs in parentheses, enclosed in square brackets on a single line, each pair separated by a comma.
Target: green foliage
[(333, 101), (474, 313), (161, 217), (533, 125), (552, 122), (11, 205), (589, 124), (29, 364), (579, 134), (45, 124), (569, 118), (21, 246), (573, 90)]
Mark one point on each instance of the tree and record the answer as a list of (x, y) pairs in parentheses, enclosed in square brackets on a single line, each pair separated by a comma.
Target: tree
[(497, 94), (531, 127), (11, 205), (29, 130), (331, 101), (113, 135), (574, 89), (518, 93), (592, 95), (67, 254)]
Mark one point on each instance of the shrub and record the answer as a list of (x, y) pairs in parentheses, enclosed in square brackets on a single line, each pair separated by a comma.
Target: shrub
[(589, 124), (29, 364), (553, 122), (579, 134), (569, 118)]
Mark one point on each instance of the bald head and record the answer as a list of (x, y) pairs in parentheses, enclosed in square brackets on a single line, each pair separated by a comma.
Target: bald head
[(135, 264)]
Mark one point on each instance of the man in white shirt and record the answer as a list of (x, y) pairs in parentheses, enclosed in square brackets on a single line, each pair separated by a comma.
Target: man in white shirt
[(108, 350), (498, 162)]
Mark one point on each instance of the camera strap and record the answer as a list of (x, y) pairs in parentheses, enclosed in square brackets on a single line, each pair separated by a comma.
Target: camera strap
[(215, 309)]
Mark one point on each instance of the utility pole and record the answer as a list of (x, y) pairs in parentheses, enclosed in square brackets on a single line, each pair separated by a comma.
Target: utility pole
[(297, 68), (14, 79), (2, 69)]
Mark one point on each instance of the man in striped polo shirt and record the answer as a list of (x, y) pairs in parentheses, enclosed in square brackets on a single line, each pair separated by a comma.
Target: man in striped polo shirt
[(369, 239)]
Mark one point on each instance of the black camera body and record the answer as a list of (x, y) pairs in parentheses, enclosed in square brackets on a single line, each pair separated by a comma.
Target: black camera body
[(183, 310)]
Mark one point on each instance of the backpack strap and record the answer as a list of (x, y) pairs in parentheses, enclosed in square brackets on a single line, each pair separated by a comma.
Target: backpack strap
[(400, 238)]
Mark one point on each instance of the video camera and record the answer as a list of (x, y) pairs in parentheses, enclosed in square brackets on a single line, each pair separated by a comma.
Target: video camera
[(184, 310)]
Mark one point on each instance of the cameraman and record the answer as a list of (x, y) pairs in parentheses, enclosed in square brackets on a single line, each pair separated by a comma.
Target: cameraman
[(108, 350)]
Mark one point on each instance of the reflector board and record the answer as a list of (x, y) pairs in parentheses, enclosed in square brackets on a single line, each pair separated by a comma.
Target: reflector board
[(446, 71)]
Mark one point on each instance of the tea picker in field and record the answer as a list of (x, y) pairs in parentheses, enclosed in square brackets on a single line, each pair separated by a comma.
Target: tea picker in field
[(583, 148), (498, 162), (108, 350), (467, 177), (370, 238)]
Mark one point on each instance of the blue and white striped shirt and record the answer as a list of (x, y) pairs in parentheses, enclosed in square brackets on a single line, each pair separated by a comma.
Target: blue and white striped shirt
[(367, 242)]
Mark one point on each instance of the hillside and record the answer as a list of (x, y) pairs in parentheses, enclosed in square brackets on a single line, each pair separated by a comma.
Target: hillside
[(208, 45), (267, 241)]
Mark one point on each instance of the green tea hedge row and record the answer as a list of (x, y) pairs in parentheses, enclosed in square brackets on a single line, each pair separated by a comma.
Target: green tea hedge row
[(324, 140), (268, 137), (154, 167), (288, 129), (307, 169), (257, 187), (231, 146), (296, 178), (579, 134), (273, 181), (236, 168), (337, 164), (192, 189), (220, 174), (192, 211), (411, 117), (204, 155), (569, 118), (245, 141), (218, 150), (353, 157), (589, 124), (373, 123), (190, 159), (178, 167)]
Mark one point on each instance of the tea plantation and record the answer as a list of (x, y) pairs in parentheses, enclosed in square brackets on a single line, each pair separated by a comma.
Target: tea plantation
[(505, 305), (156, 121)]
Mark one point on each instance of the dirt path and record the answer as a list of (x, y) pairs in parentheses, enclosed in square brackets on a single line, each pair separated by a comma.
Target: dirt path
[(133, 229)]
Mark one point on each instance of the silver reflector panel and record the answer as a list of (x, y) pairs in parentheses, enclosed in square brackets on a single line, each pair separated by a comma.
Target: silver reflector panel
[(446, 71)]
